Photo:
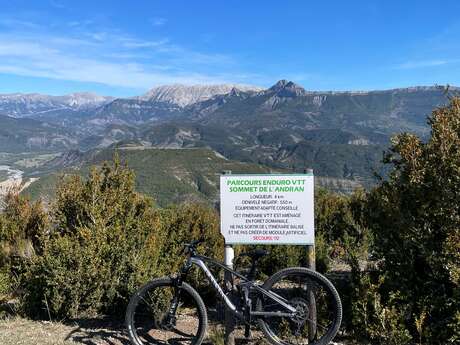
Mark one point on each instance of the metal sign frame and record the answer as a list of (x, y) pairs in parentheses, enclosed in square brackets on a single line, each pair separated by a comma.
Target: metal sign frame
[(262, 191)]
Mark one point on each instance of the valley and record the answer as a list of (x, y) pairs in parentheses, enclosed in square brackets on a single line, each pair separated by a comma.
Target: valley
[(178, 138)]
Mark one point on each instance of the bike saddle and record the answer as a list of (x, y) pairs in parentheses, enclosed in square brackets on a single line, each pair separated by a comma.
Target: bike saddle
[(256, 254)]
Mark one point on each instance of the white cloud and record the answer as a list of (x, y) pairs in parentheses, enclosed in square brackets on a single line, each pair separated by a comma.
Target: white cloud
[(86, 70), (424, 63), (109, 57), (23, 49)]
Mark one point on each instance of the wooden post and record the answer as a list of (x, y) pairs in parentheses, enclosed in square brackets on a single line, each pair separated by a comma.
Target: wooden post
[(229, 322), (311, 264)]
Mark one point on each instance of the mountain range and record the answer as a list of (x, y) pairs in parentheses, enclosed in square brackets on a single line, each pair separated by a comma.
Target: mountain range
[(340, 134), (182, 95), (33, 104)]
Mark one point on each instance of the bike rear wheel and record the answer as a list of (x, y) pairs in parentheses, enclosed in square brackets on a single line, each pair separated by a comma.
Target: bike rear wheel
[(160, 313), (319, 310)]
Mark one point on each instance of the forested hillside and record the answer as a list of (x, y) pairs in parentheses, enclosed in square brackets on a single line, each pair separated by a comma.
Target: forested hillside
[(167, 175)]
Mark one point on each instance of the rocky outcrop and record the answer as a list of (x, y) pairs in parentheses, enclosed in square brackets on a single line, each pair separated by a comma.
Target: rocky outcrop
[(183, 95)]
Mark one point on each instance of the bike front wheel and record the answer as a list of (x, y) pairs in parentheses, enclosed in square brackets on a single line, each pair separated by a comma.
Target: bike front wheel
[(317, 303), (160, 313)]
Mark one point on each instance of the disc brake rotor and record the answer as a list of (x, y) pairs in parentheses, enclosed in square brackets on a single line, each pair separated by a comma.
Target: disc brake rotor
[(302, 310)]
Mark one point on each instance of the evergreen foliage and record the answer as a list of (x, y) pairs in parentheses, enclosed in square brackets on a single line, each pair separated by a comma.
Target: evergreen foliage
[(415, 217), (102, 245), (106, 240)]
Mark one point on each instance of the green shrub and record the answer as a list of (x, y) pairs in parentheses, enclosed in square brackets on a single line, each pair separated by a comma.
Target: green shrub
[(106, 240), (340, 225), (388, 324), (369, 317), (415, 217), (5, 284), (22, 222), (183, 224), (103, 244)]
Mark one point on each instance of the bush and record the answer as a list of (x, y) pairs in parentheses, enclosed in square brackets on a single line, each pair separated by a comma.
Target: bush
[(183, 224), (102, 246), (415, 217), (5, 284), (105, 241), (22, 222), (369, 316), (340, 225)]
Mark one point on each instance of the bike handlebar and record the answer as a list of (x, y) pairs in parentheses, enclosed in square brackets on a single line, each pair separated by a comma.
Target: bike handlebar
[(195, 242), (192, 245)]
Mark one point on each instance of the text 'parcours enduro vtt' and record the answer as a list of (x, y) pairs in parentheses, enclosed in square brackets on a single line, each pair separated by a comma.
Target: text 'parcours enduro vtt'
[(294, 306)]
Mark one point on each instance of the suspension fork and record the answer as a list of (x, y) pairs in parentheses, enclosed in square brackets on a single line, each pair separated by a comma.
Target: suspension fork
[(182, 274), (171, 317)]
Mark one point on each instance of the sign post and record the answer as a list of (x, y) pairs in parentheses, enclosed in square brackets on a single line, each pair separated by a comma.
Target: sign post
[(229, 333), (270, 209), (311, 256), (311, 264), (229, 255)]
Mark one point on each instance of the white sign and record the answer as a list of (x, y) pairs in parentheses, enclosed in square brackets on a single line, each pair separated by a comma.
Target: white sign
[(267, 209)]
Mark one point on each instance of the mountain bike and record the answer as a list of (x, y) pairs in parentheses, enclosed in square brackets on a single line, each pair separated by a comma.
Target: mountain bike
[(294, 306)]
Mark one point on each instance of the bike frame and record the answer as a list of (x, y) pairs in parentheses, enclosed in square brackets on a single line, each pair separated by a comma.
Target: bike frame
[(201, 261)]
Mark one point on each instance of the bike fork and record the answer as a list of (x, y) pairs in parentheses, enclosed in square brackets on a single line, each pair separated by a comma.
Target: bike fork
[(170, 320), (247, 312)]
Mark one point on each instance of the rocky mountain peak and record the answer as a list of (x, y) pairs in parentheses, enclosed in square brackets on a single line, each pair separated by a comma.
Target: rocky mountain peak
[(280, 84), (285, 88), (235, 92)]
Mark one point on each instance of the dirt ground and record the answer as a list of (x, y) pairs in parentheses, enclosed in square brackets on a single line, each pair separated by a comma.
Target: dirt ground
[(20, 331)]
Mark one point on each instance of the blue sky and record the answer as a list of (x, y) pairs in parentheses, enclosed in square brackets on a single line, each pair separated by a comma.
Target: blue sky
[(123, 48)]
